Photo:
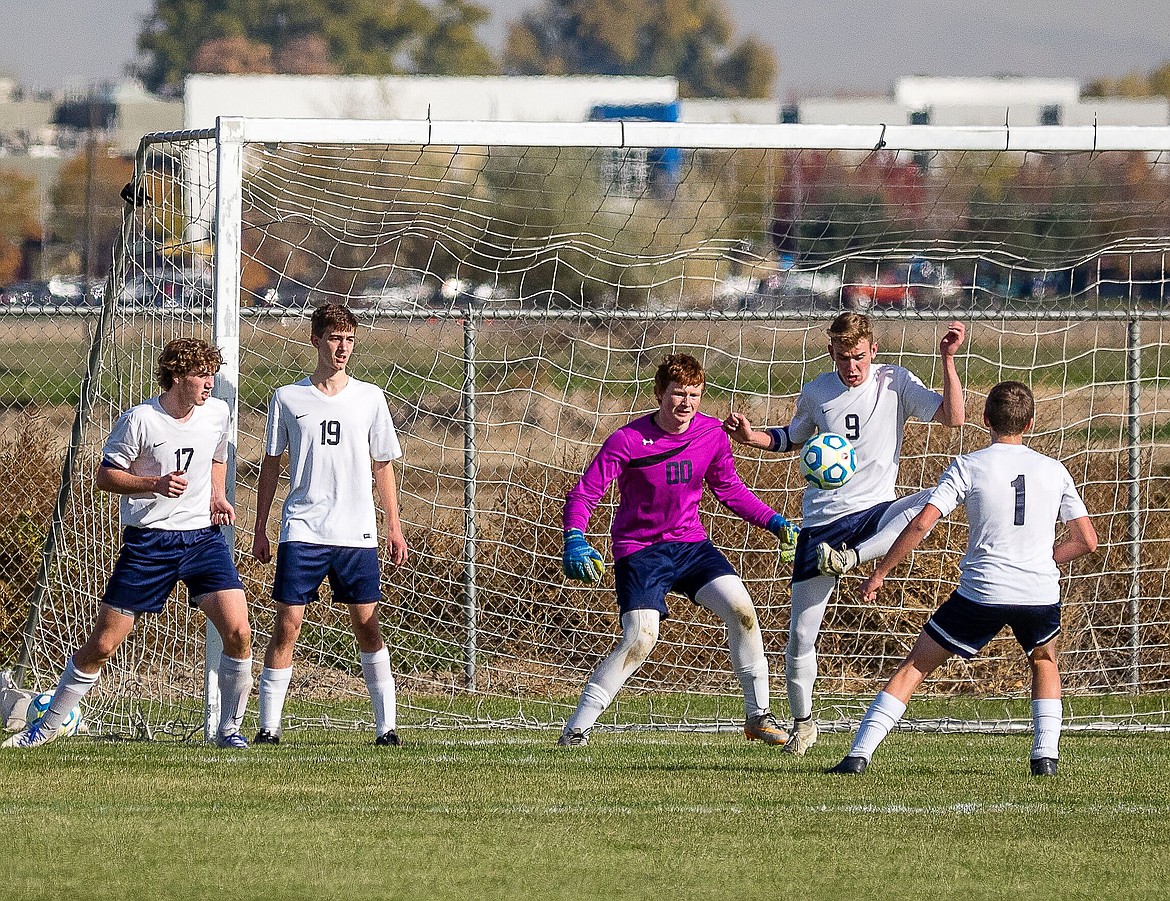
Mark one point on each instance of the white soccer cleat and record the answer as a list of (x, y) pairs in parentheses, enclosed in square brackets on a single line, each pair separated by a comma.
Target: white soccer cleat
[(34, 736), (833, 562), (803, 736), (573, 738)]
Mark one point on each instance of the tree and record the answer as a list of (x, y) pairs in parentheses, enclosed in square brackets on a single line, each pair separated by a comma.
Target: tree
[(687, 39), (232, 56), (77, 199), (361, 37), (18, 219)]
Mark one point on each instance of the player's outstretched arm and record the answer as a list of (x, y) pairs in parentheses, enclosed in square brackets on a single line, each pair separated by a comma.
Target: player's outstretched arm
[(951, 411), (911, 536), (740, 429), (1081, 540)]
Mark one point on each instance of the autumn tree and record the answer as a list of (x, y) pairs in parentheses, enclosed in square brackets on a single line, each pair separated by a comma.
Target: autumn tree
[(18, 219), (361, 37), (79, 199), (688, 39)]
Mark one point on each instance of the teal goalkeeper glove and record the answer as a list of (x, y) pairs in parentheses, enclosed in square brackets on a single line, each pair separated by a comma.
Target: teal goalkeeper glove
[(580, 560), (787, 533)]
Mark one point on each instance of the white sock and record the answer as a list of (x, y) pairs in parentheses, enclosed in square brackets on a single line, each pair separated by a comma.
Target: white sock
[(273, 690), (882, 715), (71, 688), (235, 684), (594, 700), (753, 679), (801, 673), (1046, 716), (380, 684)]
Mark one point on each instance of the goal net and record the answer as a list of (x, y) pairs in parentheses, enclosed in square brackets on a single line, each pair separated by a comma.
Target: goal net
[(517, 285)]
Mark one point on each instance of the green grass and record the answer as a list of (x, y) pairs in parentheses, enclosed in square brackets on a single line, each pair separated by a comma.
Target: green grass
[(502, 814)]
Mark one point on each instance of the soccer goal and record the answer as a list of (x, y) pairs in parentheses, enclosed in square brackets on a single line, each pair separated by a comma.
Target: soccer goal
[(517, 285)]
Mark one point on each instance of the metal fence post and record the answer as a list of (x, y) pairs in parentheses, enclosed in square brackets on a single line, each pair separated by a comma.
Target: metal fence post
[(1133, 417), (470, 600)]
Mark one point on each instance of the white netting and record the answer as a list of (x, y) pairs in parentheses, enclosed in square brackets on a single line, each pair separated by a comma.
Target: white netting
[(537, 287)]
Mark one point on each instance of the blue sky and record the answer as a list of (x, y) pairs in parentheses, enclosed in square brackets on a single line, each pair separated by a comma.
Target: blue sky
[(823, 46)]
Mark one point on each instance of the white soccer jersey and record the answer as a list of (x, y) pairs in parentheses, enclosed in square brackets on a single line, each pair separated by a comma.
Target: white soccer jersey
[(872, 416), (148, 441), (330, 442), (1014, 497)]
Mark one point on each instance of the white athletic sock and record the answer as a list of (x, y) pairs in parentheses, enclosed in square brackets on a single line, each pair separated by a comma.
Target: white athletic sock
[(235, 684), (594, 700), (71, 688), (1046, 716), (753, 679), (882, 715), (800, 673), (380, 684), (273, 690)]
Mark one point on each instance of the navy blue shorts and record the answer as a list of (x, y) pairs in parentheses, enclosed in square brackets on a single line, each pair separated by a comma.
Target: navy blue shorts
[(964, 627), (644, 578), (152, 561), (301, 567), (850, 529)]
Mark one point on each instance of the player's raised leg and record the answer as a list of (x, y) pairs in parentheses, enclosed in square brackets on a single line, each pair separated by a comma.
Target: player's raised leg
[(639, 635), (727, 597)]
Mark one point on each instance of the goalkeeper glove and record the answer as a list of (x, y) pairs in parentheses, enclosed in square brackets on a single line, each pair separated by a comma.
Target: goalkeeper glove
[(580, 560), (787, 533)]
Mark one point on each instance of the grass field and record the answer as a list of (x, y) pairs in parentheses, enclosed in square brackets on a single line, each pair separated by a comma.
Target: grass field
[(503, 814)]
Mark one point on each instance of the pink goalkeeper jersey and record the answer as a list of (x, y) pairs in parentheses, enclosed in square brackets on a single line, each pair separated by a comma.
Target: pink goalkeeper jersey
[(660, 482)]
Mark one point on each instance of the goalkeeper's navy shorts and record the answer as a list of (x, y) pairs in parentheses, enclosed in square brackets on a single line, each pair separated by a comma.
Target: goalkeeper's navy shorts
[(301, 567), (152, 561), (644, 577), (964, 627)]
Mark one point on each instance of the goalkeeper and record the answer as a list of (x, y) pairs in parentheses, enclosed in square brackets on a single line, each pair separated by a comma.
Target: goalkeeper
[(660, 462)]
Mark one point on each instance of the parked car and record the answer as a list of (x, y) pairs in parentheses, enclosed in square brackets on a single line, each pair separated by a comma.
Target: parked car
[(906, 284)]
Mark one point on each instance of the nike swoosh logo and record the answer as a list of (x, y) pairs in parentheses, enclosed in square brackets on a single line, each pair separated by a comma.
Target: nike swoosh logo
[(302, 416), (643, 462), (160, 444)]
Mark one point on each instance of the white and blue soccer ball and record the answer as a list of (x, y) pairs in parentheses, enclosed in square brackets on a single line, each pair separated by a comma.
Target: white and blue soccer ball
[(828, 461), (39, 706)]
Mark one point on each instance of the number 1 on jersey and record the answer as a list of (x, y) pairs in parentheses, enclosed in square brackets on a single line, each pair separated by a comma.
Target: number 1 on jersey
[(1018, 484)]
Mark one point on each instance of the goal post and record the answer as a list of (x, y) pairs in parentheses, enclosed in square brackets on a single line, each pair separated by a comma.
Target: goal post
[(517, 283)]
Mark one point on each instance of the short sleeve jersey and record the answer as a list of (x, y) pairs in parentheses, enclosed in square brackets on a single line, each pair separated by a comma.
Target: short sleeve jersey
[(660, 479), (1014, 497), (872, 416), (148, 441), (330, 442)]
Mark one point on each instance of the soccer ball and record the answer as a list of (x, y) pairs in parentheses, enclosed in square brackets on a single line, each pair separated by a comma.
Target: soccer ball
[(39, 706), (828, 461)]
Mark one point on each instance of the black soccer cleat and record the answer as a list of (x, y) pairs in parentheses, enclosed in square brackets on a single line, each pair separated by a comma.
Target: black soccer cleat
[(265, 737), (1043, 766), (849, 766), (389, 738)]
